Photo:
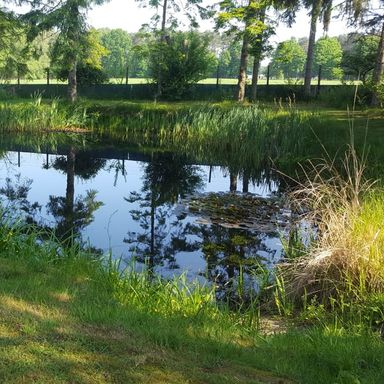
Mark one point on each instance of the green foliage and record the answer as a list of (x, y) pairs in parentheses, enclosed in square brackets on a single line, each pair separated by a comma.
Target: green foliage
[(328, 54), (86, 75), (288, 60), (119, 45), (232, 13), (182, 60), (90, 54), (359, 60)]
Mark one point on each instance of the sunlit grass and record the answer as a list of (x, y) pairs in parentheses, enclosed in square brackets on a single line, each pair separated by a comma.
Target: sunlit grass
[(67, 317)]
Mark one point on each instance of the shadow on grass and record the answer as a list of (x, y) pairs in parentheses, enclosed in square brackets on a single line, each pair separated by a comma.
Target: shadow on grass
[(58, 326)]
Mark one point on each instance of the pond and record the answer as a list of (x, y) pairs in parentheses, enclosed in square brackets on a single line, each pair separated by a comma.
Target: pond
[(143, 204)]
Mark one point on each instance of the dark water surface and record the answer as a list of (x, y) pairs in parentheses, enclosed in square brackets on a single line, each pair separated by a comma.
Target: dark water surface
[(133, 204)]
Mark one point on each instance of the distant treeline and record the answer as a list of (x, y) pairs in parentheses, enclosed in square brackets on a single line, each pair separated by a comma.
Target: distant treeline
[(119, 55)]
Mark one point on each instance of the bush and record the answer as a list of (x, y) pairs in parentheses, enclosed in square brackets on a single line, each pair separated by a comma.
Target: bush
[(86, 75), (180, 61)]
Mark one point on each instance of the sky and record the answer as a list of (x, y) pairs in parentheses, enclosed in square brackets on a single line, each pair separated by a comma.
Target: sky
[(127, 14)]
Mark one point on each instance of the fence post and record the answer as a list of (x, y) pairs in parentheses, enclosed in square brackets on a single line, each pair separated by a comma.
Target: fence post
[(217, 76), (318, 81)]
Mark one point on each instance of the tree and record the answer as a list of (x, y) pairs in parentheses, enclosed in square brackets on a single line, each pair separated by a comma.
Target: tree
[(12, 47), (318, 9), (180, 62), (288, 59), (119, 45), (227, 52), (89, 69), (139, 60), (247, 21), (328, 55), (68, 17), (362, 13), (192, 9), (359, 60)]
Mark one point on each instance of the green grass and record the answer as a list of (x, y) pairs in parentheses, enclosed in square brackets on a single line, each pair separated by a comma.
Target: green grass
[(69, 317), (234, 135), (65, 318), (37, 116)]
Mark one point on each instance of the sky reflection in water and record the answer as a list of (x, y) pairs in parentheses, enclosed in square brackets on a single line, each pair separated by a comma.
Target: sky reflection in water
[(138, 215)]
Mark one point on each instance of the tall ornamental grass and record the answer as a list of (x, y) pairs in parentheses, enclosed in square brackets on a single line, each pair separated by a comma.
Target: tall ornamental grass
[(343, 268)]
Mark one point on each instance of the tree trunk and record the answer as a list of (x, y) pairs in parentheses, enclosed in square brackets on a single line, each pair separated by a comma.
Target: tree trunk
[(72, 82), (162, 39), (232, 181), (311, 45), (255, 77), (73, 36), (379, 68), (67, 228), (245, 182), (242, 79), (257, 52)]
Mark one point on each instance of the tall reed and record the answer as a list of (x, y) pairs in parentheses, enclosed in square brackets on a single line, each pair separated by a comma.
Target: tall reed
[(35, 115)]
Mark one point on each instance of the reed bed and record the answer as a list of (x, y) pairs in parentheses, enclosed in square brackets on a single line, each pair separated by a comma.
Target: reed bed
[(237, 135), (36, 116)]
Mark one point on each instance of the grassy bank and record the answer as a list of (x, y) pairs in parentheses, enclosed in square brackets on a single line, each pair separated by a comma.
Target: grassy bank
[(65, 318), (241, 137), (68, 316)]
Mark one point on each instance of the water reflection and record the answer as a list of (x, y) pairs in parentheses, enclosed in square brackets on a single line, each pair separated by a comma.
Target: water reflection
[(73, 214), (166, 179), (128, 201)]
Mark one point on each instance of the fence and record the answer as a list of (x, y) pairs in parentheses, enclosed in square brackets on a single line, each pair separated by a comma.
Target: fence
[(196, 92)]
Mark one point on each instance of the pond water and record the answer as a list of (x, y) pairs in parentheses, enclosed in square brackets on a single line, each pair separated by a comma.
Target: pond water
[(135, 205)]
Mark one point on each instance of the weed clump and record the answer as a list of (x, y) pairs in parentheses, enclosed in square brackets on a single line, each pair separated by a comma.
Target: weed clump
[(343, 268)]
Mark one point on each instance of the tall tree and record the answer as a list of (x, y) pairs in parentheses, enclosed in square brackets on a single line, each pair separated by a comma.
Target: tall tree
[(68, 17), (370, 15), (168, 8), (119, 45), (318, 9), (359, 60), (247, 21), (328, 54), (250, 23), (288, 59)]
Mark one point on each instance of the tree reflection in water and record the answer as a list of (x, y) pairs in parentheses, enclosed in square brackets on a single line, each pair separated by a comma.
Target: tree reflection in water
[(232, 256), (166, 180), (236, 260), (74, 214)]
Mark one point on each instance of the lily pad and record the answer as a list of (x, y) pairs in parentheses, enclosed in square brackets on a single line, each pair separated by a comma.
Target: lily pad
[(239, 211)]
